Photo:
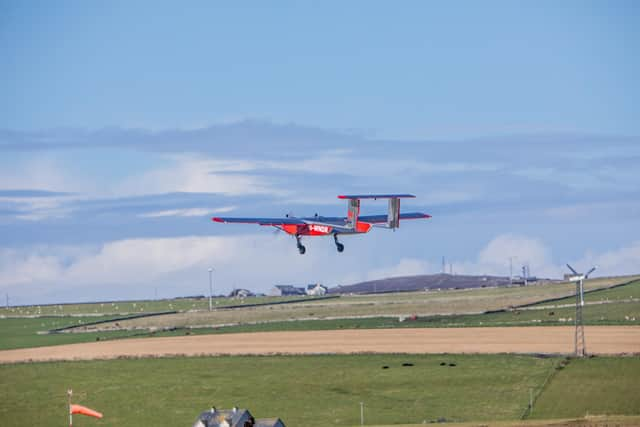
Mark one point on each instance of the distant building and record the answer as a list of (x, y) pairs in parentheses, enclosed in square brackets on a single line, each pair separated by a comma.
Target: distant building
[(286, 290), (234, 418), (316, 290), (241, 293)]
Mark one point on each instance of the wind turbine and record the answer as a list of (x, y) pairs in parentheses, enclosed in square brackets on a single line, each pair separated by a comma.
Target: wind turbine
[(579, 278), (579, 342)]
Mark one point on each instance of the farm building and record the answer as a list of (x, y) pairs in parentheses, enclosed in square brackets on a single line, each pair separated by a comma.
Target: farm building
[(316, 290), (241, 293), (286, 290), (234, 418)]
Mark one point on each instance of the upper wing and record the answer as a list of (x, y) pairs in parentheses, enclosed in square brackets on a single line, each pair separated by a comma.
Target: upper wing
[(376, 196), (378, 219), (261, 221)]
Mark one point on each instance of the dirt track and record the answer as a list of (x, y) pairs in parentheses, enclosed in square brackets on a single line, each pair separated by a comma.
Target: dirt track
[(599, 339)]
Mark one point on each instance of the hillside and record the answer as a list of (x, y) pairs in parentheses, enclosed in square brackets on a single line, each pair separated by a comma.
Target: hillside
[(422, 282)]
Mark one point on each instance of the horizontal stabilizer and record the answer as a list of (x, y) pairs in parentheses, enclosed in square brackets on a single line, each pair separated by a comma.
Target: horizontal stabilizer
[(376, 196), (378, 219)]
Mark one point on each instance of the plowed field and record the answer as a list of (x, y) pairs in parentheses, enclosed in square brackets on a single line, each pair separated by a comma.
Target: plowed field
[(551, 340)]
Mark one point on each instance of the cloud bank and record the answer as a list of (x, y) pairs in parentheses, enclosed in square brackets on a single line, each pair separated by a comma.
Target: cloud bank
[(136, 267)]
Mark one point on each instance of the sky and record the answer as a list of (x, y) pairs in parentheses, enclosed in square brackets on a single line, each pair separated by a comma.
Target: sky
[(124, 126)]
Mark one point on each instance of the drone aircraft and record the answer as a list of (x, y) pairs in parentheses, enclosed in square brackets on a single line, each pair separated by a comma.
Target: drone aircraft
[(353, 223)]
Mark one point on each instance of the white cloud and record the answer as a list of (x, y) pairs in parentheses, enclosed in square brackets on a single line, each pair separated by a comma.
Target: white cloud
[(624, 260), (42, 172), (344, 161), (188, 212), (405, 267), (39, 208), (25, 268), (493, 259), (127, 267), (133, 267), (198, 175), (525, 249)]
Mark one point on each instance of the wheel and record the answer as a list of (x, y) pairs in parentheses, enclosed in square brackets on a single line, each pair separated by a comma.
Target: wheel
[(340, 247), (302, 249)]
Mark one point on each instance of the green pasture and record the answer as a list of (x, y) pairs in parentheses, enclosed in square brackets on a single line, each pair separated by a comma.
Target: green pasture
[(588, 421), (604, 307), (28, 332), (421, 304), (304, 391), (23, 333), (593, 386), (322, 390), (138, 307), (628, 292)]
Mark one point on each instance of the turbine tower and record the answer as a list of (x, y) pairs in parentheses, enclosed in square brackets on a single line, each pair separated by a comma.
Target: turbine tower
[(579, 343)]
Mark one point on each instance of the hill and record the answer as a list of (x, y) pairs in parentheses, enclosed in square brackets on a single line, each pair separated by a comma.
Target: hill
[(422, 282)]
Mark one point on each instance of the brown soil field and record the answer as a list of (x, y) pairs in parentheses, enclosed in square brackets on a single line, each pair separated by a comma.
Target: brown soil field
[(547, 340)]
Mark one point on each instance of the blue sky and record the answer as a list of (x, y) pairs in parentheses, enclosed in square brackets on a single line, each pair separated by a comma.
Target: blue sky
[(124, 127)]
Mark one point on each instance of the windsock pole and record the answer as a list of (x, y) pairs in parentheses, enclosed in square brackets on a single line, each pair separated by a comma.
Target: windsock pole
[(70, 393)]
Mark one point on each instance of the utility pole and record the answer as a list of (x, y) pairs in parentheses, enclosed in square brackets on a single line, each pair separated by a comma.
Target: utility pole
[(210, 288), (511, 270), (361, 413), (511, 258), (579, 344)]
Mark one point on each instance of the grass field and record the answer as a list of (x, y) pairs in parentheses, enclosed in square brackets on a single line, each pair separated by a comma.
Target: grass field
[(304, 391), (589, 421), (592, 387), (604, 307), (320, 390), (472, 301), (626, 293), (27, 332), (137, 307)]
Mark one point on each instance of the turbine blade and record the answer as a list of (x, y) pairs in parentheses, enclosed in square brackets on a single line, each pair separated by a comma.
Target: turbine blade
[(571, 268), (589, 272)]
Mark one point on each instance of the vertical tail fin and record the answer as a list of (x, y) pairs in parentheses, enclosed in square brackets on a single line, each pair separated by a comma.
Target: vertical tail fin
[(393, 217), (353, 210)]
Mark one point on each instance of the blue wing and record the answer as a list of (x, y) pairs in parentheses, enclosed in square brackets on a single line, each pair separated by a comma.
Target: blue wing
[(261, 221)]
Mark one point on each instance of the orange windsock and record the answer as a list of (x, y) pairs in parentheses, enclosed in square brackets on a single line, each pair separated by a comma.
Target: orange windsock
[(79, 409)]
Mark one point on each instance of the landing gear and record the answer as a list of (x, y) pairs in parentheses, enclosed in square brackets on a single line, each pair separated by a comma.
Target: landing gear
[(339, 246), (301, 247)]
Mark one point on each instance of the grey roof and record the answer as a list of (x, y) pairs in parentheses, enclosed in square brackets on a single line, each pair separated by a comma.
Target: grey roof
[(290, 289), (214, 417), (269, 422)]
